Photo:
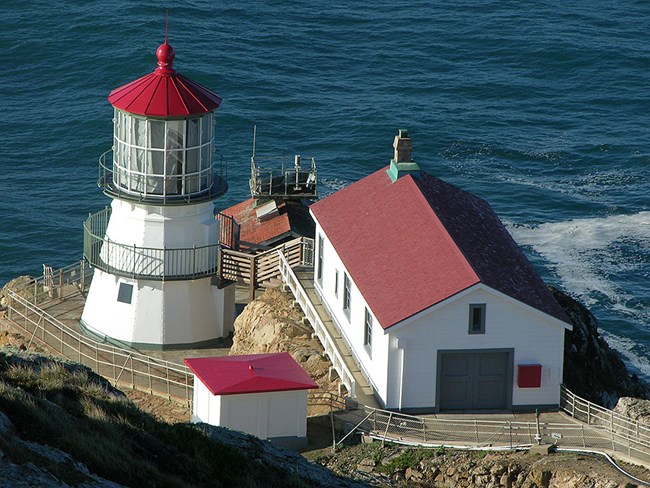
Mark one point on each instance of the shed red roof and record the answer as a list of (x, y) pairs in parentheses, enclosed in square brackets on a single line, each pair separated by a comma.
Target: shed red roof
[(413, 243), (254, 373), (164, 93)]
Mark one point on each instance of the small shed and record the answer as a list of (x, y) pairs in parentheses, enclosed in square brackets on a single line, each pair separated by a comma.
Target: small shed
[(261, 394)]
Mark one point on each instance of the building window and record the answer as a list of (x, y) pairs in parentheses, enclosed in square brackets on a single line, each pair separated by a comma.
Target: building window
[(125, 293), (336, 283), (346, 294), (477, 318), (319, 262), (367, 333)]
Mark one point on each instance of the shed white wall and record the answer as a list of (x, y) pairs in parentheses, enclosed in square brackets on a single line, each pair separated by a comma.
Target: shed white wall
[(535, 338), (279, 414), (374, 364)]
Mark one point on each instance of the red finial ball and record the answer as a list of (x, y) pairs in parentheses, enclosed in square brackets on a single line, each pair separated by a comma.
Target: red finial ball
[(165, 55)]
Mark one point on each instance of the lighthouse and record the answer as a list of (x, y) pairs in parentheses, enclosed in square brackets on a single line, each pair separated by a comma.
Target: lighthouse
[(155, 250)]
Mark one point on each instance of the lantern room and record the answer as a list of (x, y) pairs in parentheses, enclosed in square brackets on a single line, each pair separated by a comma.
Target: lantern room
[(162, 139), (158, 158)]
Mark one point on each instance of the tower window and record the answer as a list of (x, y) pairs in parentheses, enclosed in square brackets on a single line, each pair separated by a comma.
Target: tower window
[(477, 318), (125, 293)]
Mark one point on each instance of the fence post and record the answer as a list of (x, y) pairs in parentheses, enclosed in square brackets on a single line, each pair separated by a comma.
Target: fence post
[(251, 290), (573, 406), (61, 284), (588, 413)]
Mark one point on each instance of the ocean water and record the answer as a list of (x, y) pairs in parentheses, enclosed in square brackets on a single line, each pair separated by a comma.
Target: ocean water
[(542, 109)]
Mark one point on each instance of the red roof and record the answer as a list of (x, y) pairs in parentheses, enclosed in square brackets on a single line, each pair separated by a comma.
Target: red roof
[(413, 243), (254, 373), (292, 219), (164, 93)]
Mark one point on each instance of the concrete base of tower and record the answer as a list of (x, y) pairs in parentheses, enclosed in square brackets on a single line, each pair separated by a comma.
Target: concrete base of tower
[(156, 314)]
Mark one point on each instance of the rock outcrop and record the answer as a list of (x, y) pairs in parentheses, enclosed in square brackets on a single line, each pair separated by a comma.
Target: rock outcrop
[(399, 466), (634, 408), (19, 283), (271, 323), (592, 369)]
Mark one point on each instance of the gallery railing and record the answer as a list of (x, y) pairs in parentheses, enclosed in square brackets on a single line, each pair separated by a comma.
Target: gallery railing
[(145, 262)]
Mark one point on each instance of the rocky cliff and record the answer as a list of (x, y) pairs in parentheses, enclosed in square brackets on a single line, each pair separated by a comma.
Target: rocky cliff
[(592, 369)]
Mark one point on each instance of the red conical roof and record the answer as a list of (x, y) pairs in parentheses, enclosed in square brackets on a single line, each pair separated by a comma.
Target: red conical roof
[(164, 93)]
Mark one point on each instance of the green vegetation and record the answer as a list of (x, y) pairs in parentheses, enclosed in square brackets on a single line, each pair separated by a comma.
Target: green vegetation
[(409, 458), (67, 406)]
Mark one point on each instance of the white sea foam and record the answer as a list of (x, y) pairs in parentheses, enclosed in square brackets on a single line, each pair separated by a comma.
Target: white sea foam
[(584, 254), (332, 185), (633, 354)]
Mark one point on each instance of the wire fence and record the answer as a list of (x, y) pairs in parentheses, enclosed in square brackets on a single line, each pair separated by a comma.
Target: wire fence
[(481, 433), (120, 365), (598, 428)]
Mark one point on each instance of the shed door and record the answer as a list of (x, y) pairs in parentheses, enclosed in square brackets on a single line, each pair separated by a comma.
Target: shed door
[(474, 380)]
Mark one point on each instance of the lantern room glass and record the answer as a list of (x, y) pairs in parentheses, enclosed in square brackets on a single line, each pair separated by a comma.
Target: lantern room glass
[(162, 157)]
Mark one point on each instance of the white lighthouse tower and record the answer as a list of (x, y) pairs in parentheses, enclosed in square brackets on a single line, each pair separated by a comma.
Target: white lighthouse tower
[(155, 250)]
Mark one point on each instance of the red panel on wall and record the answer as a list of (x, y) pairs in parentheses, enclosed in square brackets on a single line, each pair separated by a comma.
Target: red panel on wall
[(529, 375)]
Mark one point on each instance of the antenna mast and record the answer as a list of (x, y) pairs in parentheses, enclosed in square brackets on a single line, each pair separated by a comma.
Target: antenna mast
[(166, 23)]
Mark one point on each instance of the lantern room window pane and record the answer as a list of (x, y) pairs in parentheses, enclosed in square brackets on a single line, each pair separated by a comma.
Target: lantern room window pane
[(157, 134), (193, 132), (140, 132), (206, 129)]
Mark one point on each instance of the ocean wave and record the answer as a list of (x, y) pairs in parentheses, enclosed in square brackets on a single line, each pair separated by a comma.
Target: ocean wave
[(594, 257), (634, 354)]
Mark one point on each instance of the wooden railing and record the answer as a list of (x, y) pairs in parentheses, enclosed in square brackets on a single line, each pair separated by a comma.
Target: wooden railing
[(291, 280), (257, 269)]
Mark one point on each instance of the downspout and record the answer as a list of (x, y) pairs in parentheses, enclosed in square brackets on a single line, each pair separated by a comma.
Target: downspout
[(400, 345)]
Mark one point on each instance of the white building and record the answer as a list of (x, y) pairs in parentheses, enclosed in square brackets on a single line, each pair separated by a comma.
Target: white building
[(155, 250), (438, 304), (261, 394)]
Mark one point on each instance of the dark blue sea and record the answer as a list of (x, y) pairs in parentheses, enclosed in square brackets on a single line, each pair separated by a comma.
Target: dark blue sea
[(542, 108)]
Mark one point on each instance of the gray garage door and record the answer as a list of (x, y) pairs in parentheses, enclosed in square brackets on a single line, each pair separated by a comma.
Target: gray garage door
[(474, 380)]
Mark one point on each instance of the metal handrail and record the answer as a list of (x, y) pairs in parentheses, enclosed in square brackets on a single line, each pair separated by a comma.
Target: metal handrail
[(291, 280), (145, 373), (145, 262), (216, 184)]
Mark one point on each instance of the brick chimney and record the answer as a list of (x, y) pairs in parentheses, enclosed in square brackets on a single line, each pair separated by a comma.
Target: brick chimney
[(402, 163), (403, 145)]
